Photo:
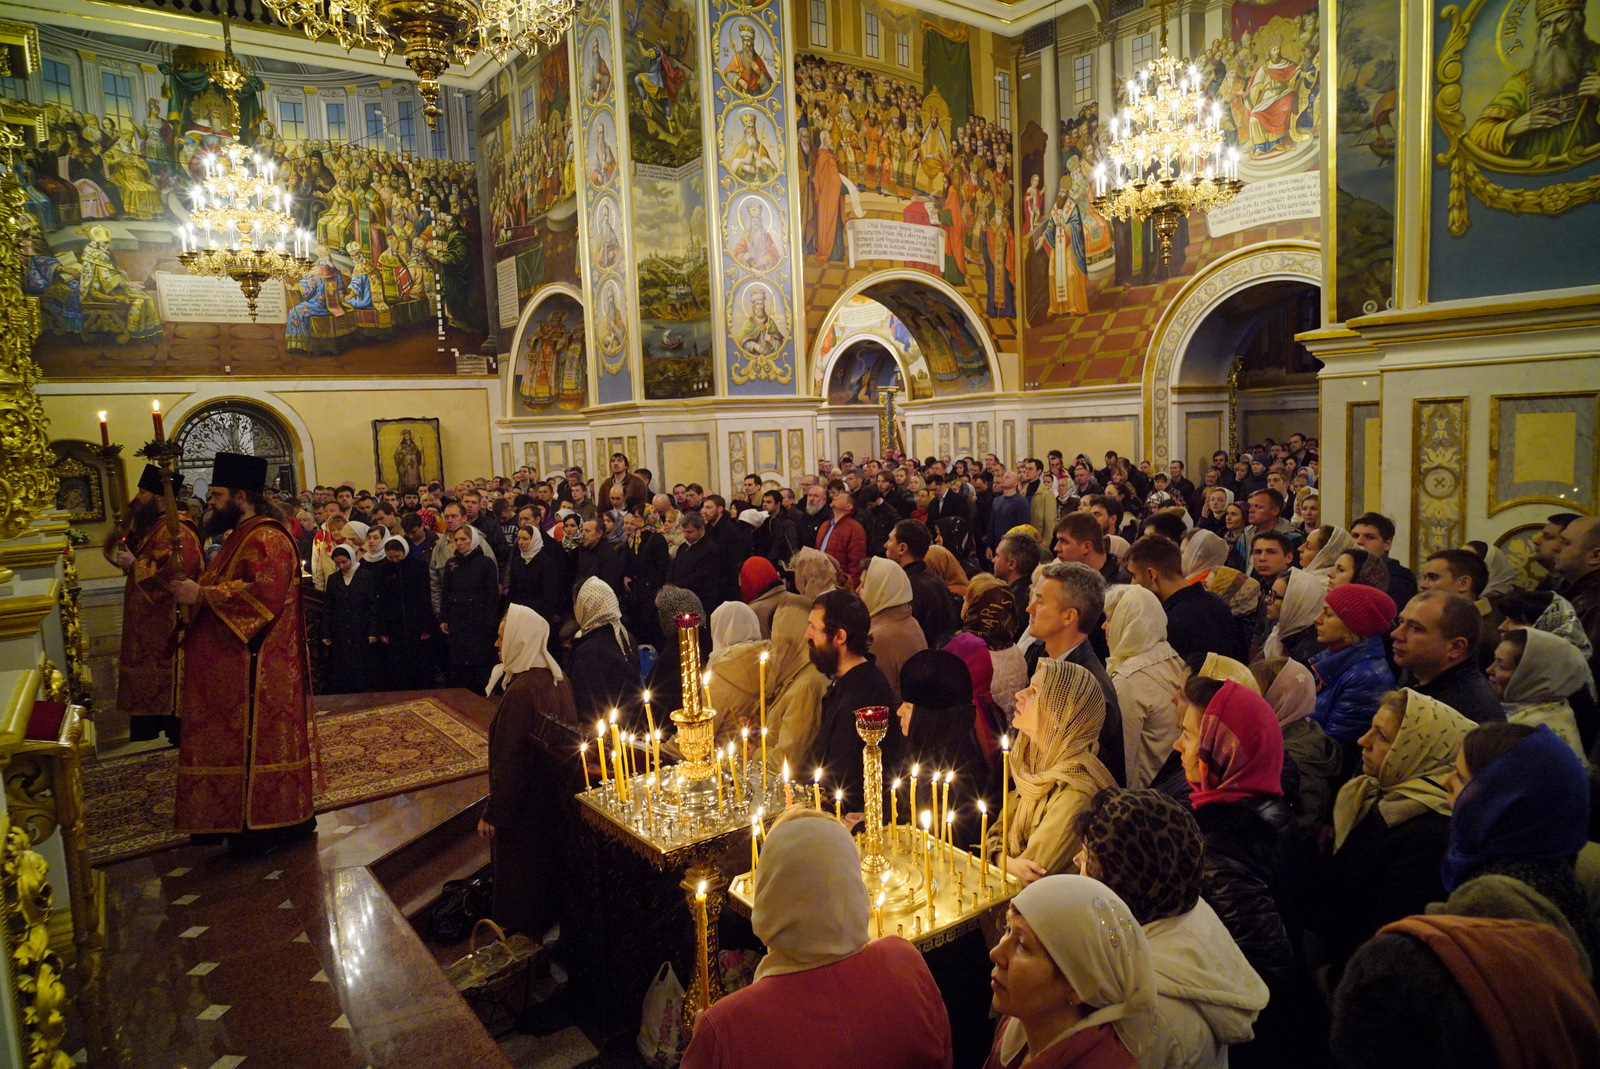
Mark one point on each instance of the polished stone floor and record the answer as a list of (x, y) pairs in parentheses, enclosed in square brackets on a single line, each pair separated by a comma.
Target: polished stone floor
[(303, 958)]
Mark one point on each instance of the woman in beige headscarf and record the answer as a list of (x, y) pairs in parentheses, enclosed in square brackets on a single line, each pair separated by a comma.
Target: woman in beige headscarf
[(1204, 554), (835, 995), (1056, 772), (735, 669), (1216, 666), (1291, 690), (943, 563), (814, 572), (1145, 672), (794, 689), (896, 635)]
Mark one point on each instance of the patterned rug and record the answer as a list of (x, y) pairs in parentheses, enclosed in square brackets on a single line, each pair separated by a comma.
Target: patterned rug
[(366, 755)]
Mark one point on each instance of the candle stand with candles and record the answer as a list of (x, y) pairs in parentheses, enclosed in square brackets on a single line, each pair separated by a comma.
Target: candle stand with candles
[(683, 817)]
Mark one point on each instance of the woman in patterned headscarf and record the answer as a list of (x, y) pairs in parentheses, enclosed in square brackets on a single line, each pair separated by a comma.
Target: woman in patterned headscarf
[(1391, 823), (1056, 771), (1148, 849), (605, 665), (989, 611)]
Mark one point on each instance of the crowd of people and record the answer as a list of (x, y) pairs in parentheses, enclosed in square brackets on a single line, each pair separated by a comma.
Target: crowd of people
[(1274, 798)]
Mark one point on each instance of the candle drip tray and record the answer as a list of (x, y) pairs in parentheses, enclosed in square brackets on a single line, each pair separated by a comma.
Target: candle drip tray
[(898, 880)]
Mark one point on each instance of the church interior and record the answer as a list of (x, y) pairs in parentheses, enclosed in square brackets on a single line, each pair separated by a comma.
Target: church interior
[(475, 249)]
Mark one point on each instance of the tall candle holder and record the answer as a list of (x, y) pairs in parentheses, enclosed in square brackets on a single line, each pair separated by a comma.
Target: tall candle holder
[(696, 721), (901, 886)]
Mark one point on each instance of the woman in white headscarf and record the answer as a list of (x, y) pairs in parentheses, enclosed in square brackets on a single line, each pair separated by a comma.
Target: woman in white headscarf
[(1537, 674), (1298, 596), (350, 624), (827, 993), (604, 663), (1145, 672), (1322, 547), (377, 534), (1204, 562), (735, 667), (354, 534), (519, 798), (1055, 770), (1503, 572), (814, 572), (1073, 982), (896, 635)]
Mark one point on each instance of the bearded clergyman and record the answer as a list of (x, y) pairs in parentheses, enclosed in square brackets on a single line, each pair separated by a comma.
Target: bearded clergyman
[(1550, 108), (247, 762)]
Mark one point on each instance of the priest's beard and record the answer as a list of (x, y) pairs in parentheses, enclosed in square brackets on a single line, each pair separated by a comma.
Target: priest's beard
[(145, 516), (1557, 65), (826, 659), (223, 520)]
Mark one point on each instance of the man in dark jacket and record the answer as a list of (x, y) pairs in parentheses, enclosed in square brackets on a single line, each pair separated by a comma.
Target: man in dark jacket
[(838, 632), (1008, 509), (698, 566), (780, 536), (1014, 561), (599, 556), (876, 516), (945, 502), (493, 537), (1436, 648), (736, 541), (1375, 534), (646, 559), (982, 502), (1197, 620), (813, 514), (932, 604)]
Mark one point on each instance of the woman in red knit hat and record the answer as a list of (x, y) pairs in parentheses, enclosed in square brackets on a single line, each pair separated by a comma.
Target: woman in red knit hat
[(1352, 673)]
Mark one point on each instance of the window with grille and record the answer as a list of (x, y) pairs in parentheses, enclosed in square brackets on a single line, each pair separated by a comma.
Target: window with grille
[(14, 88), (472, 132), (408, 125), (338, 128), (292, 119), (118, 92), (375, 122), (529, 113), (1083, 78), (236, 427), (902, 49), (1002, 88), (871, 24), (819, 23), (57, 83), (437, 137), (1144, 49)]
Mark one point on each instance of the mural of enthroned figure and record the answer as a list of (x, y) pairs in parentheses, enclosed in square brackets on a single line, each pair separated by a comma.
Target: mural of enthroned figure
[(318, 320), (126, 165), (113, 303)]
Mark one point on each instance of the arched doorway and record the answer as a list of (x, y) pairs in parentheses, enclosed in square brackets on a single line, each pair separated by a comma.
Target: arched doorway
[(1185, 385), (236, 426)]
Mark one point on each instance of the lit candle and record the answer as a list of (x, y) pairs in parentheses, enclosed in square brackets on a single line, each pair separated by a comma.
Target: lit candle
[(600, 740), (657, 748), (763, 692), (705, 688), (788, 788), (838, 803), (616, 742), (950, 838), (583, 759), (927, 854), (983, 838), (911, 802), (700, 937), (650, 725), (620, 776), (1005, 803), (755, 850), (949, 814), (733, 769), (744, 750), (105, 432), (155, 417), (816, 788), (894, 810)]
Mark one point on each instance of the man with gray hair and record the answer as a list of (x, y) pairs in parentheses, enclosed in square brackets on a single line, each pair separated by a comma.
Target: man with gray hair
[(1068, 600)]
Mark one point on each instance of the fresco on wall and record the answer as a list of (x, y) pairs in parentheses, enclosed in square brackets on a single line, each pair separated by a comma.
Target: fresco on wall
[(669, 224), (879, 151), (129, 129), (549, 373), (1094, 287), (527, 145), (1367, 79), (861, 372), (1516, 173), (936, 320)]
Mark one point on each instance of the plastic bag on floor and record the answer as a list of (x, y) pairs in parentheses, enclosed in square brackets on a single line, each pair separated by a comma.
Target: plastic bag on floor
[(661, 1020)]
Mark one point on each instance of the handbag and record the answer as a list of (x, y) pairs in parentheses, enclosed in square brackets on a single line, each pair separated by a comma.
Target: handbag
[(661, 1020), (461, 904)]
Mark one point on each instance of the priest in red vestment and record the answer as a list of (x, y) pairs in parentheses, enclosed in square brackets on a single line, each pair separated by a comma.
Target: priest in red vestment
[(247, 763), (147, 661)]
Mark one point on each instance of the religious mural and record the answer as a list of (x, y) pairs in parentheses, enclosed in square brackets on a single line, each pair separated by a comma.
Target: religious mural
[(936, 319), (525, 123), (549, 371), (397, 279), (1366, 50), (750, 103), (1516, 107), (666, 149), (1082, 271), (911, 149)]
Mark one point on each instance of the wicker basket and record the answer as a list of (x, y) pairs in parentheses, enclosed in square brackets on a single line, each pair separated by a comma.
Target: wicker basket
[(496, 977)]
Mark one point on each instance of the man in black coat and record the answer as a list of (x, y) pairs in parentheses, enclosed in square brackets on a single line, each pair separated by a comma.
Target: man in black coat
[(483, 519), (1197, 620), (945, 501), (779, 535), (600, 557), (838, 632), (736, 541), (698, 566), (646, 559), (932, 604), (1436, 648)]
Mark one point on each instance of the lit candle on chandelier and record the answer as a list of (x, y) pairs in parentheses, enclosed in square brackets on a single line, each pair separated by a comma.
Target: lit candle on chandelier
[(155, 417)]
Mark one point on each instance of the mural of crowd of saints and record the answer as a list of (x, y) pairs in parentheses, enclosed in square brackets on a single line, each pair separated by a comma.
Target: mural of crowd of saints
[(872, 146), (932, 336), (533, 180), (1265, 74), (396, 237), (549, 371)]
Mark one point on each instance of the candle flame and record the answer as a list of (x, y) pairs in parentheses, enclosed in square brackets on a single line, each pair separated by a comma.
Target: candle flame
[(949, 816), (155, 405), (927, 820), (584, 748), (613, 714), (646, 696), (838, 795), (786, 770), (816, 777), (914, 769), (1005, 742), (102, 417), (744, 733), (700, 891), (705, 679), (983, 807), (763, 656), (600, 727), (895, 786), (950, 777), (880, 899)]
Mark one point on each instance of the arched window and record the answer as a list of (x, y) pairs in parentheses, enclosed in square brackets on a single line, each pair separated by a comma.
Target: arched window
[(235, 427)]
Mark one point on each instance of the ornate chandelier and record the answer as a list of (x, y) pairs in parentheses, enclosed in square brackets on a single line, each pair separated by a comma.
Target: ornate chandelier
[(241, 227), (1167, 156), (432, 34)]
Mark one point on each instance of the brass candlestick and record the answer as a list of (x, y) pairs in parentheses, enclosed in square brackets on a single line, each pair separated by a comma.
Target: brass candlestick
[(696, 722), (901, 888)]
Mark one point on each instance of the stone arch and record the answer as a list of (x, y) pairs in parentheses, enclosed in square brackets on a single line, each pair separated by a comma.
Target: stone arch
[(508, 377), (1292, 260), (877, 286), (205, 425), (850, 341)]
